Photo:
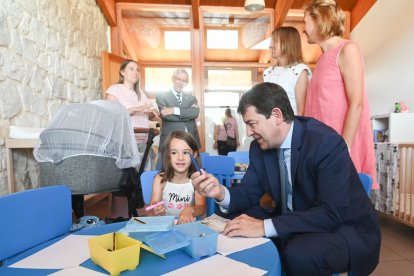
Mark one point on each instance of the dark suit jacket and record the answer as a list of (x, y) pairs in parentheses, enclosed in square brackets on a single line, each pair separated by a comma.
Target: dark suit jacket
[(189, 111), (327, 193)]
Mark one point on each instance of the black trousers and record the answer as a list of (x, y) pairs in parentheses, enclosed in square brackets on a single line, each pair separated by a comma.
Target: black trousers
[(223, 148)]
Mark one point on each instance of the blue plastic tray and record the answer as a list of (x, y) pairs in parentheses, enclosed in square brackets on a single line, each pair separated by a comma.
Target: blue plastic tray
[(165, 242), (152, 224)]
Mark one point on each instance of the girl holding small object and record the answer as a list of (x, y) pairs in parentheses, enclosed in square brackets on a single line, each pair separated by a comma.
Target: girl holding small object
[(173, 184)]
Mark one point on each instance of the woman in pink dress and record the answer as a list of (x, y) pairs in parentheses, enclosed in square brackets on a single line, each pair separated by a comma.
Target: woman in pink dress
[(336, 93)]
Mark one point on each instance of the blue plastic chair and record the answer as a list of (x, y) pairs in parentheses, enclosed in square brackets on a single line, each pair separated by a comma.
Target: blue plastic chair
[(202, 157), (240, 157), (32, 217), (366, 181), (222, 167), (147, 177)]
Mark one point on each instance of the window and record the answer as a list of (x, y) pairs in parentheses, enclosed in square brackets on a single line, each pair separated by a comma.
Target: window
[(222, 39), (224, 88), (177, 40), (238, 80), (159, 80)]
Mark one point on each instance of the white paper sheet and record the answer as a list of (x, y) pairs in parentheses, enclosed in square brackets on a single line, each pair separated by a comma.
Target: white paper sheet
[(68, 252), (79, 270), (226, 245), (217, 265)]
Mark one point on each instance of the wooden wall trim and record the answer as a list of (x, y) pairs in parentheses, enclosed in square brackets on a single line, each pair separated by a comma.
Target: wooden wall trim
[(360, 9), (198, 81), (108, 9), (281, 10), (127, 41), (195, 13), (114, 41), (235, 64)]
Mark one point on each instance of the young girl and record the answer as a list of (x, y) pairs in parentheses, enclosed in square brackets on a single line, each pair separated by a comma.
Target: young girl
[(290, 71), (173, 185)]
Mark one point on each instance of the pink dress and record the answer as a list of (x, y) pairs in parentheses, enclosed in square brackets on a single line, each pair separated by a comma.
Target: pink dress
[(327, 101)]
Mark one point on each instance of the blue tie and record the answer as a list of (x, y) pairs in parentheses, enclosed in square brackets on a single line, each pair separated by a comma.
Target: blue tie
[(285, 188), (178, 98)]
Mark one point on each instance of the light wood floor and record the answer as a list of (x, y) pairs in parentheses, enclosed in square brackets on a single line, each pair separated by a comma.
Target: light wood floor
[(397, 244)]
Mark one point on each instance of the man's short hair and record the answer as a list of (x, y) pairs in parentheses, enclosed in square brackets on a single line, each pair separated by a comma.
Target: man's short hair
[(179, 71), (264, 97)]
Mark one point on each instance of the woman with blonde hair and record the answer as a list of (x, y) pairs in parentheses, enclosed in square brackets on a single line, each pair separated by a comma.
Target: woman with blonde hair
[(336, 93)]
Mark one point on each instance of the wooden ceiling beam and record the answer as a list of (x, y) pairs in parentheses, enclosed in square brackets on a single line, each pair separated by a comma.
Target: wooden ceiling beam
[(195, 13), (360, 10), (128, 42), (281, 10), (108, 9)]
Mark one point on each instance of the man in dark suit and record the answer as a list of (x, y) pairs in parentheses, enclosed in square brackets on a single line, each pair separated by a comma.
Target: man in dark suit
[(178, 110), (325, 223)]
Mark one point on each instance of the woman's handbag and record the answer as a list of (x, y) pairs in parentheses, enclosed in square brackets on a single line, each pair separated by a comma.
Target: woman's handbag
[(231, 142)]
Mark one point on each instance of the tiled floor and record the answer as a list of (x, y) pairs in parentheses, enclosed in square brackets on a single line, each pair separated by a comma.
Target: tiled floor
[(397, 247)]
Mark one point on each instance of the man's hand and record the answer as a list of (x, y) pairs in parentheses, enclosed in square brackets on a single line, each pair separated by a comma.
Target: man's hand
[(244, 226), (167, 111), (207, 185)]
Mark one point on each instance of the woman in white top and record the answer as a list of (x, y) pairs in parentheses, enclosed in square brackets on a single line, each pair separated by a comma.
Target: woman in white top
[(173, 184), (289, 71)]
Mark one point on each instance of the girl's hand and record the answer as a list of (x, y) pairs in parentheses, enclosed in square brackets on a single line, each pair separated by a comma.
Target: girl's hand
[(186, 215), (159, 210)]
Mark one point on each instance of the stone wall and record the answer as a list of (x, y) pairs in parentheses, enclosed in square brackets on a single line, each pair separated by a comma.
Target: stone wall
[(49, 56)]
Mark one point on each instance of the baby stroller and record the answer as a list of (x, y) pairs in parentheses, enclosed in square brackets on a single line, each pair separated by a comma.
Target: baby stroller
[(91, 148)]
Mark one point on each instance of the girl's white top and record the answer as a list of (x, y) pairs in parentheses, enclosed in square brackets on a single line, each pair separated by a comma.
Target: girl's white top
[(287, 77), (178, 196)]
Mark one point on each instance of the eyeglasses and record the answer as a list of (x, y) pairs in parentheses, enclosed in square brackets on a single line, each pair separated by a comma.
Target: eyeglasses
[(181, 80)]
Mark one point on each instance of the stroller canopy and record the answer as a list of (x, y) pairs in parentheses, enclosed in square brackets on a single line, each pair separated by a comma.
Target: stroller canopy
[(99, 128)]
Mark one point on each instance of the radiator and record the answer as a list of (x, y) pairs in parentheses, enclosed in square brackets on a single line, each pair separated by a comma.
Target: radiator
[(404, 192)]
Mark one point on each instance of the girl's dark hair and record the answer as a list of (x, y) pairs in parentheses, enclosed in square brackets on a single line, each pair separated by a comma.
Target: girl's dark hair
[(264, 97), (121, 77), (167, 171)]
